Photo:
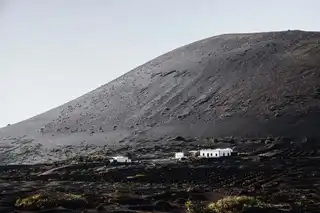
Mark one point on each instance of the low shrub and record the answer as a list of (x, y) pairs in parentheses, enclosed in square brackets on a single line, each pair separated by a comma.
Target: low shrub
[(49, 200), (236, 204)]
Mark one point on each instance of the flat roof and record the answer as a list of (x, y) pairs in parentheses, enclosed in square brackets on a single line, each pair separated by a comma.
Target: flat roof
[(218, 149), (119, 157)]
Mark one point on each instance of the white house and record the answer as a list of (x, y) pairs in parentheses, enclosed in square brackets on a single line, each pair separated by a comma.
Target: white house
[(215, 153), (178, 155), (225, 152), (209, 153), (120, 159)]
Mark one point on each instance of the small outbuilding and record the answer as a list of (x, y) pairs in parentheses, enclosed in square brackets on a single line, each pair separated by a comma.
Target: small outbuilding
[(178, 155), (120, 159)]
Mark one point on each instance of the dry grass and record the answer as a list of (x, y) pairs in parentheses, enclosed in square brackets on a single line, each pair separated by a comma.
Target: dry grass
[(234, 204), (44, 200), (136, 176)]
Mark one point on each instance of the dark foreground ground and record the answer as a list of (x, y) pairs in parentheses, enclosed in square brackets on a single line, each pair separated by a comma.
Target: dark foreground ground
[(275, 170)]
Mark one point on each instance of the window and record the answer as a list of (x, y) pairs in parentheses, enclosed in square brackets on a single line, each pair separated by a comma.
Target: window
[(207, 154), (203, 154), (211, 154), (216, 154)]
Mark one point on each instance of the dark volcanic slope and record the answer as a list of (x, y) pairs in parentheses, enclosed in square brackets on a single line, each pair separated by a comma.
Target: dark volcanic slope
[(237, 84)]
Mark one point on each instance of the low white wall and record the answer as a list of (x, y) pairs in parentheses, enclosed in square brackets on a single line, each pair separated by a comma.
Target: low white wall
[(178, 155)]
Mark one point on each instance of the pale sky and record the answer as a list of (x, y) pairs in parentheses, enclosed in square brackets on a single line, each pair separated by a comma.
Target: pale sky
[(52, 51)]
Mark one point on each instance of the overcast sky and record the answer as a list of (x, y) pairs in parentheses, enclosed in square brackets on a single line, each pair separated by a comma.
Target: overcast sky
[(52, 51)]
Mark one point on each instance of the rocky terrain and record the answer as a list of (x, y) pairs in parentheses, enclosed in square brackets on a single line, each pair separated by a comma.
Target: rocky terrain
[(258, 84), (258, 93)]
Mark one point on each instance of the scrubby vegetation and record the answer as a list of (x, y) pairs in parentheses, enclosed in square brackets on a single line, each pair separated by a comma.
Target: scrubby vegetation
[(47, 200), (235, 204), (136, 176)]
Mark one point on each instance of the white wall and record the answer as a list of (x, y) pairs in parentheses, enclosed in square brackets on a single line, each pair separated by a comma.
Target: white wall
[(209, 153), (215, 153), (121, 159), (225, 152), (179, 155)]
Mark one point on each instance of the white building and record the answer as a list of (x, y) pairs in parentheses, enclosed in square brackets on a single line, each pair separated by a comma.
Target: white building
[(226, 152), (209, 153), (178, 155), (215, 153), (120, 159)]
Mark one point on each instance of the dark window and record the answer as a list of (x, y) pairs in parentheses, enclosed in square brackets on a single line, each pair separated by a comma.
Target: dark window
[(216, 154)]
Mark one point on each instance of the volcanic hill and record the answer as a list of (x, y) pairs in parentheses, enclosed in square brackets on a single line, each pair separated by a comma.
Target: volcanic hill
[(243, 85)]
